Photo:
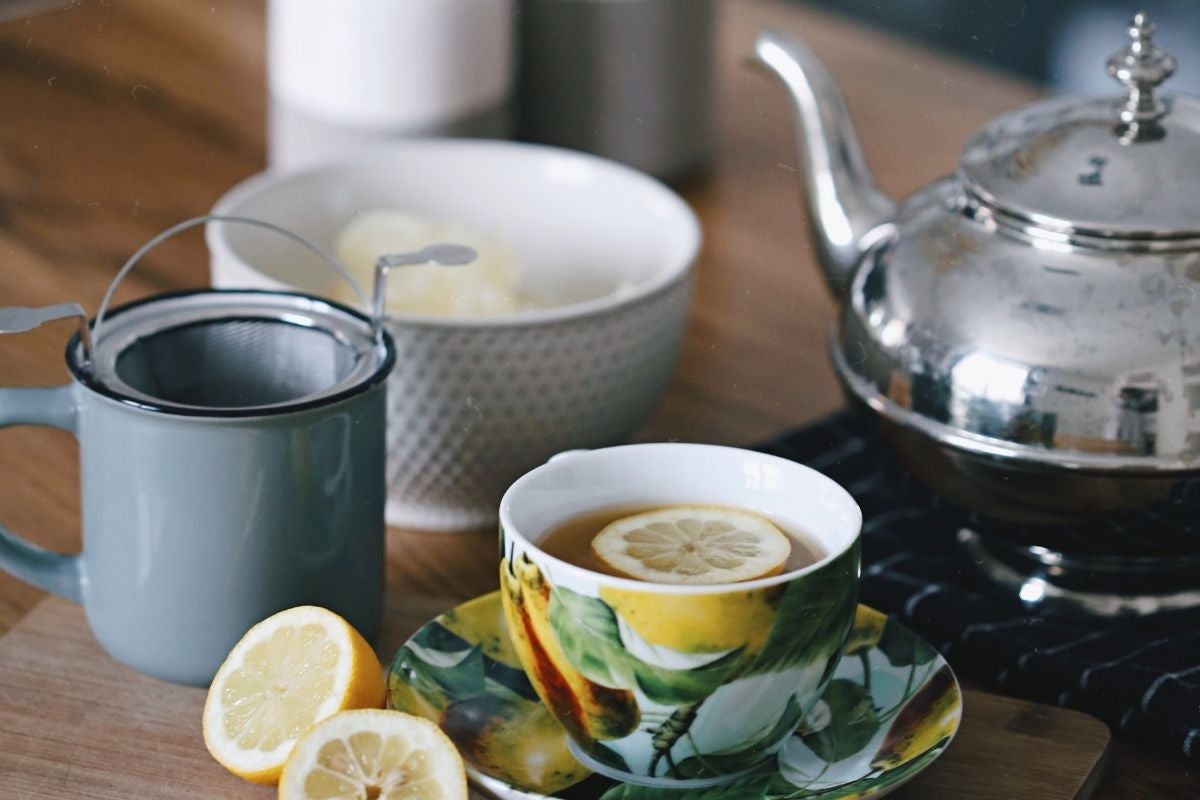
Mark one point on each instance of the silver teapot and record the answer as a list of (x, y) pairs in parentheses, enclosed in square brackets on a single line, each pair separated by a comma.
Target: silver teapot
[(1026, 331)]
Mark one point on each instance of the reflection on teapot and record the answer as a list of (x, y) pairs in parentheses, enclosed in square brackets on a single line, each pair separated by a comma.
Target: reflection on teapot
[(1027, 324)]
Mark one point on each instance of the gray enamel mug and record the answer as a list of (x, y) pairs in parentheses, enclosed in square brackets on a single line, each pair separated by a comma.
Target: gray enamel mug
[(232, 448)]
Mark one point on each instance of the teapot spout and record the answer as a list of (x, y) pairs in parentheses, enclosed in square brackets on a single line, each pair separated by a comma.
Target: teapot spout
[(845, 208)]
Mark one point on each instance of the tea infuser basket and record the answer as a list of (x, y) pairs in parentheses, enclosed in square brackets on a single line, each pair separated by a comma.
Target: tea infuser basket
[(231, 352)]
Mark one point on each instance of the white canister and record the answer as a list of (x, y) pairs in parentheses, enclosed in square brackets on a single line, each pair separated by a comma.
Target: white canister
[(345, 73)]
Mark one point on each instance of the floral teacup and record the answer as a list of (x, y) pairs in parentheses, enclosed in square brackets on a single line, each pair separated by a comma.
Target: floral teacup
[(669, 684)]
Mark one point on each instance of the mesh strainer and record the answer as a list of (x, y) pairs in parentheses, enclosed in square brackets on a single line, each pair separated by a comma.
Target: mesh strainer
[(233, 352)]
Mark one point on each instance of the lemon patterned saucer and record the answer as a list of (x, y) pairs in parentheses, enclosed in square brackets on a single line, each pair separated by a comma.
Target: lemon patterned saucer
[(892, 707)]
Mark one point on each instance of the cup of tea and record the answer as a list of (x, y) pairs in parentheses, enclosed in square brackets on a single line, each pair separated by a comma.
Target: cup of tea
[(678, 607)]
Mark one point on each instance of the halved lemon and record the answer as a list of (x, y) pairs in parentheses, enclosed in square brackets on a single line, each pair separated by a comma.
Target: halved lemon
[(363, 755), (288, 672), (693, 544)]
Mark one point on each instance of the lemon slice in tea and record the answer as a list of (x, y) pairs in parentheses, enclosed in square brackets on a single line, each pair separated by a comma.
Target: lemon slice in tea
[(694, 545)]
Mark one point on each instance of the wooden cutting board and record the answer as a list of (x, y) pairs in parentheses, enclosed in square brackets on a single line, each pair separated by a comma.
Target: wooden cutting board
[(75, 725)]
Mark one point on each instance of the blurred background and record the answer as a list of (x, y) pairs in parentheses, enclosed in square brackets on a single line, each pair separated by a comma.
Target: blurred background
[(1051, 42)]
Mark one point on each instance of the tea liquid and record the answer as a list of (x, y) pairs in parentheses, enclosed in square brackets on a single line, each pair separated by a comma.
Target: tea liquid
[(571, 540)]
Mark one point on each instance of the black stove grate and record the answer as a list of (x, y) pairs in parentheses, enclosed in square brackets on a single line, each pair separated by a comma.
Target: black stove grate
[(1142, 678)]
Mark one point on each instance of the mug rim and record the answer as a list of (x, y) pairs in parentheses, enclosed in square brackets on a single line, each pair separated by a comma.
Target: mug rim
[(381, 371), (508, 528)]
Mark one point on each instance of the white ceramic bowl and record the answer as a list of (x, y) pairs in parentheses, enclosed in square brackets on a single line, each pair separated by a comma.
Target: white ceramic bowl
[(474, 404)]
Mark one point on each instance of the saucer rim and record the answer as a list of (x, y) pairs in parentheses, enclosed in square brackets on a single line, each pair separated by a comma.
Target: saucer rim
[(492, 785)]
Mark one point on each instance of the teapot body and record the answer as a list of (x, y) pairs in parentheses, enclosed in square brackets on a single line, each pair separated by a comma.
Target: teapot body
[(1043, 392), (1026, 331), (996, 343)]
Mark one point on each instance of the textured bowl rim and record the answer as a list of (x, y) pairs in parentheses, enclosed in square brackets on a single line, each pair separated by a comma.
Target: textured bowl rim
[(217, 238)]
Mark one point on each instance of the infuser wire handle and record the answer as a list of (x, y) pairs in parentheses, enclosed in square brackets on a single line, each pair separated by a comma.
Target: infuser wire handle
[(337, 266), (13, 320), (446, 255), (18, 319)]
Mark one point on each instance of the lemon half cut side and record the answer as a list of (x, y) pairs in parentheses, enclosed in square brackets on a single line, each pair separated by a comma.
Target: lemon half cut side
[(374, 755), (287, 673)]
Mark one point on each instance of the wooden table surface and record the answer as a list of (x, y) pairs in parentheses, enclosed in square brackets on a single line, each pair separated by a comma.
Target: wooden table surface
[(122, 117)]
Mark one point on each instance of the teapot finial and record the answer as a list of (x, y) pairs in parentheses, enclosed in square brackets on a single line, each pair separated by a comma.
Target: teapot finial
[(1140, 67)]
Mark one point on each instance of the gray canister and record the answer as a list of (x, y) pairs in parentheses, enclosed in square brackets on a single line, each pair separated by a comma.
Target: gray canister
[(630, 80)]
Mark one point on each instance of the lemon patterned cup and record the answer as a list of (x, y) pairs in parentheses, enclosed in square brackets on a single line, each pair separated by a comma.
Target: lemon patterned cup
[(667, 684)]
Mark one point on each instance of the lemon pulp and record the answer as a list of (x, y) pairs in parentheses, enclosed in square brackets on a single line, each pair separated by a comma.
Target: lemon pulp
[(374, 755), (693, 544), (288, 672), (276, 693)]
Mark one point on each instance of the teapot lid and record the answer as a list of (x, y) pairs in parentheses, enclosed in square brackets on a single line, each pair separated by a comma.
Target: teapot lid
[(1119, 173)]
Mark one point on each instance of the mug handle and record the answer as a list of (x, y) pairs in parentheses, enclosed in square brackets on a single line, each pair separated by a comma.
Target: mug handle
[(50, 407), (566, 454)]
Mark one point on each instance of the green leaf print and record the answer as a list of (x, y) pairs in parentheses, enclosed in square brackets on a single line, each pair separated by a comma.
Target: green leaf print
[(683, 686), (746, 756), (475, 674), (464, 678), (606, 755), (853, 721), (436, 636), (750, 787), (509, 679), (814, 618), (902, 648), (587, 631), (868, 786)]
